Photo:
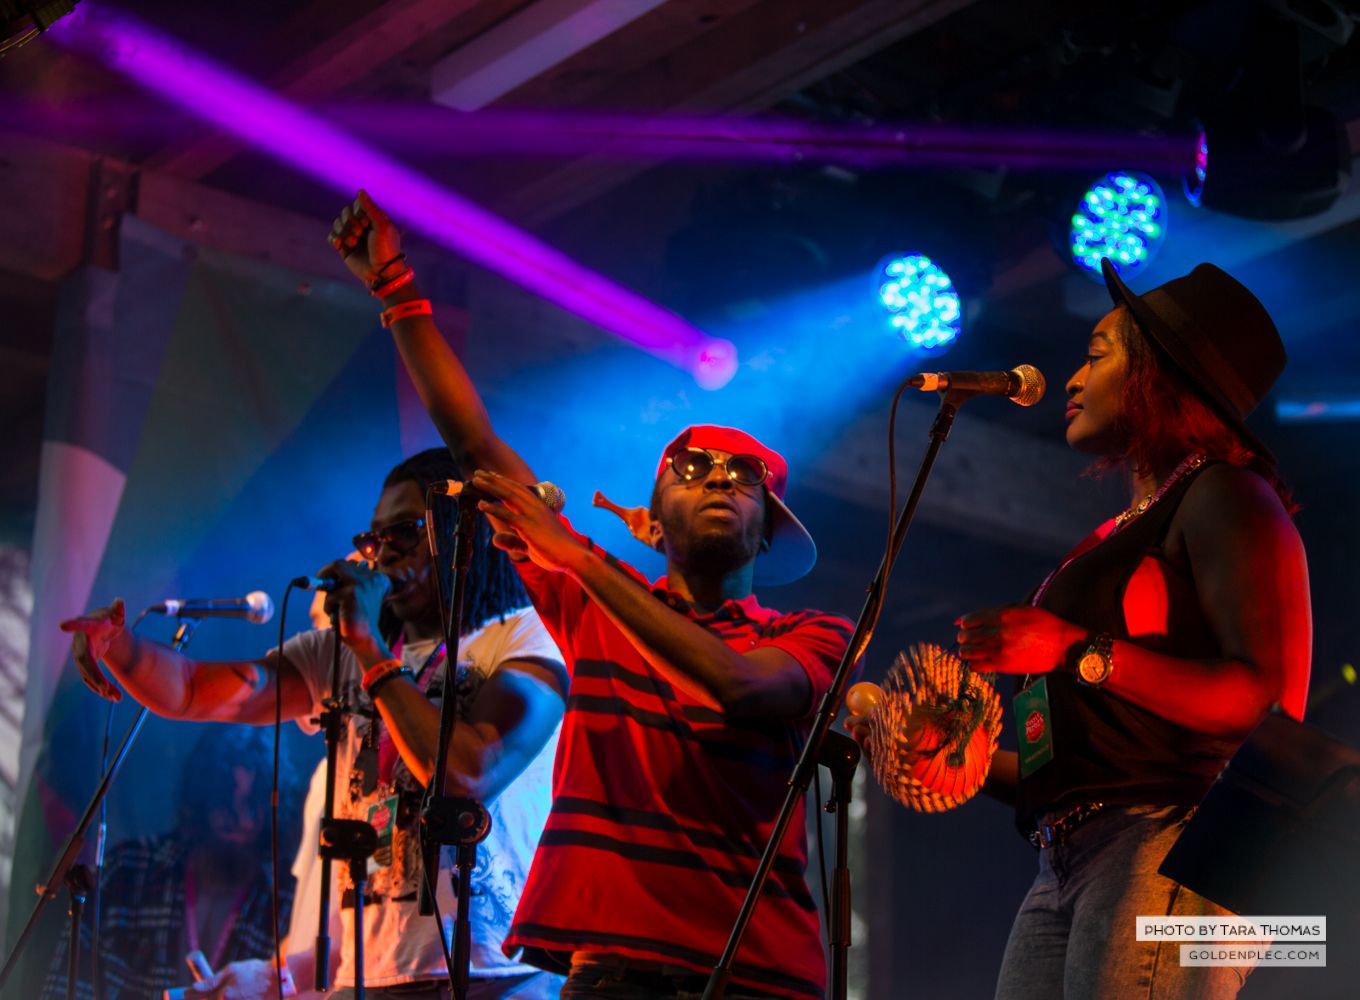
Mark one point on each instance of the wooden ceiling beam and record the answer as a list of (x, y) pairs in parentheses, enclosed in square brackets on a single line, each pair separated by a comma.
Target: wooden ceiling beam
[(747, 62), (355, 41)]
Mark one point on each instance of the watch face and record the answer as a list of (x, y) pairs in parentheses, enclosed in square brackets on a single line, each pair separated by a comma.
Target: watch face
[(1093, 667)]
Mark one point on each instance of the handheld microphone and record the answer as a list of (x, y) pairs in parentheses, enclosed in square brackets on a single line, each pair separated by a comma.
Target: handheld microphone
[(549, 493), (1024, 384), (254, 607), (325, 583)]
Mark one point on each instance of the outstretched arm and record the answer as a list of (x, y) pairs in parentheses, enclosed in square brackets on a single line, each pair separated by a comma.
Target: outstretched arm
[(173, 685), (371, 247)]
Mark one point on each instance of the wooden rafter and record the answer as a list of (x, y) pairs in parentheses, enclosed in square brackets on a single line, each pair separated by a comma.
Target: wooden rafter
[(349, 45), (746, 62)]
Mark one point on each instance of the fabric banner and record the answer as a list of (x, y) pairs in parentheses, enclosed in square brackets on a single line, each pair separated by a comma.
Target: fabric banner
[(215, 425)]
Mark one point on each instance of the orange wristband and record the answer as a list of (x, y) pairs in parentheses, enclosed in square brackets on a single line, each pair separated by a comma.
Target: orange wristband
[(416, 307), (385, 288), (378, 671)]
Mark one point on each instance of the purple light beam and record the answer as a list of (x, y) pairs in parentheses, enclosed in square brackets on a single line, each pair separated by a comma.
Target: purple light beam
[(332, 156), (775, 140)]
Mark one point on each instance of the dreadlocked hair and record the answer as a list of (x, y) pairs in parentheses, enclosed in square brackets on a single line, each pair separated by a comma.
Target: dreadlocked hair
[(493, 586), (1163, 418)]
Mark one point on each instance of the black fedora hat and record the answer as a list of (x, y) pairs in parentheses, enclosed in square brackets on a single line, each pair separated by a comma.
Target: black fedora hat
[(1217, 333)]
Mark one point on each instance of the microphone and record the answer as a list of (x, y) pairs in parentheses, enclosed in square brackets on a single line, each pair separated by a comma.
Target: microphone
[(549, 493), (254, 607), (1024, 384), (326, 583)]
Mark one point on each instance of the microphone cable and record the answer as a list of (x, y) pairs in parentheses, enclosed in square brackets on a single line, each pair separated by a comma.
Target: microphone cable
[(892, 475), (96, 984), (821, 852), (274, 795), (451, 683)]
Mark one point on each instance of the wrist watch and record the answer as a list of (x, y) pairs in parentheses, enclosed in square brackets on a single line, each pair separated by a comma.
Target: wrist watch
[(1097, 663)]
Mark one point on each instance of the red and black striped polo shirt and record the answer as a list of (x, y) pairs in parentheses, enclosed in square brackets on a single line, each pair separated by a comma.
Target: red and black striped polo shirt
[(662, 806)]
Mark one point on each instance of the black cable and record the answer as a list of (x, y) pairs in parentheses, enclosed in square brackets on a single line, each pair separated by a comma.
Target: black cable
[(821, 852), (95, 898), (451, 682), (96, 984), (431, 885), (274, 796), (892, 471)]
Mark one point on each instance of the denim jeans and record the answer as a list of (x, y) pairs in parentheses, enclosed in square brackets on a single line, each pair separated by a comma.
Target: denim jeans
[(531, 986), (1074, 937)]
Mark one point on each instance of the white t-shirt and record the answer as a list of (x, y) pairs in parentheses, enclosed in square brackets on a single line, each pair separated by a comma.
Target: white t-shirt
[(400, 945)]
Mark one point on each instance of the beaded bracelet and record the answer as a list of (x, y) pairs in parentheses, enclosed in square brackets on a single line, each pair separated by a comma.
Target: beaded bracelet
[(380, 670), (386, 288), (382, 679), (375, 277), (416, 307)]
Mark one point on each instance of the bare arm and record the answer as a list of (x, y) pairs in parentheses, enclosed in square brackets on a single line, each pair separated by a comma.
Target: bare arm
[(367, 238), (1251, 580), (513, 716), (1251, 577), (171, 684)]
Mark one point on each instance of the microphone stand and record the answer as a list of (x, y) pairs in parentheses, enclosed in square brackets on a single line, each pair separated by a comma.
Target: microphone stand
[(66, 872), (453, 820), (349, 840), (950, 401), (840, 755), (78, 883)]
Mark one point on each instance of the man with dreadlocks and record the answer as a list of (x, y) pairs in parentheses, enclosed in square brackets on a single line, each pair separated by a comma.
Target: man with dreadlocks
[(509, 682)]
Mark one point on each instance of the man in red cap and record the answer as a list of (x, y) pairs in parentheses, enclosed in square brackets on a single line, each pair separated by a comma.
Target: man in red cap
[(688, 700)]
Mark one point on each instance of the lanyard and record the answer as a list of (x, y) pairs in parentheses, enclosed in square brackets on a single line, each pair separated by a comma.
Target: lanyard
[(191, 922), (387, 749)]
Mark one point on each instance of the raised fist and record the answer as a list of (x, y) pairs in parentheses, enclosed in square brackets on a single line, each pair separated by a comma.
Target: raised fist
[(367, 240)]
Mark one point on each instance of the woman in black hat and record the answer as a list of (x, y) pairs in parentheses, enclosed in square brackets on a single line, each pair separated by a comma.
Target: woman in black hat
[(1156, 646)]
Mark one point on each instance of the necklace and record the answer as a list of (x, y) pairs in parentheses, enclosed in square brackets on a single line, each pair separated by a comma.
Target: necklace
[(1190, 464)]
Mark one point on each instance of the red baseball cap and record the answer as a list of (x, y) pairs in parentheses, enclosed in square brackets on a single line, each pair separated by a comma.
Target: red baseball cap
[(792, 551)]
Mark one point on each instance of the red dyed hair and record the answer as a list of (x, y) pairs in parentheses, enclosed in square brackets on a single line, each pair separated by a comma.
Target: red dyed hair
[(1163, 418)]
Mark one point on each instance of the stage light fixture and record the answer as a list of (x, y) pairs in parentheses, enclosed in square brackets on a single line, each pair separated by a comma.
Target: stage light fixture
[(1294, 170), (923, 306), (1123, 217), (1193, 182), (21, 21)]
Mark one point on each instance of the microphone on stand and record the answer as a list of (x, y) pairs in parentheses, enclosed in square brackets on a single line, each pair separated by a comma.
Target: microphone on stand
[(254, 607), (1023, 384), (549, 493)]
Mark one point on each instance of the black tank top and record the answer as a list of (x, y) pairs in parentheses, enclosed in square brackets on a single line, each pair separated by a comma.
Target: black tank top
[(1106, 749)]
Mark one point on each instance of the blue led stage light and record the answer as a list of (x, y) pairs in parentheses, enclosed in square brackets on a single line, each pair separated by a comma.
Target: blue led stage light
[(923, 307), (1122, 216)]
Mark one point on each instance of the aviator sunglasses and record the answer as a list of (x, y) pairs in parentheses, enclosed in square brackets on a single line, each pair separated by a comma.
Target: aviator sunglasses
[(696, 463), (401, 537)]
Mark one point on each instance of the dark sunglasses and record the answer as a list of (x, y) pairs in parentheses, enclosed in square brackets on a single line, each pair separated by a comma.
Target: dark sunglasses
[(402, 537), (696, 463)]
